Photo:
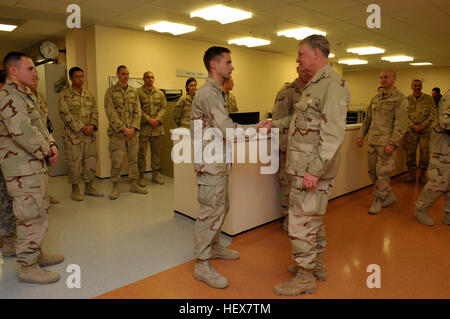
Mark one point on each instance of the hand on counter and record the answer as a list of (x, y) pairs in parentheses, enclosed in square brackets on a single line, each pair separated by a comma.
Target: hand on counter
[(310, 181), (359, 142), (267, 124), (389, 149)]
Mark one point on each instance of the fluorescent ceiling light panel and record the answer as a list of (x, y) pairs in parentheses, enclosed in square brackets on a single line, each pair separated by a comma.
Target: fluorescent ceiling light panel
[(352, 62), (170, 27), (7, 27), (421, 63), (250, 42), (366, 50), (397, 58), (300, 33), (222, 14)]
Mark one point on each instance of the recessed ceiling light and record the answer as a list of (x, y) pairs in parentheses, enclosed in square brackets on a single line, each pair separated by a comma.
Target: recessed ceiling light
[(366, 50), (7, 27), (397, 58), (331, 55), (300, 33), (352, 62), (421, 63), (250, 42), (174, 28), (222, 14)]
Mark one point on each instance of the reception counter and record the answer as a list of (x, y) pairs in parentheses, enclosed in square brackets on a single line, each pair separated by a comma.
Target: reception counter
[(255, 197)]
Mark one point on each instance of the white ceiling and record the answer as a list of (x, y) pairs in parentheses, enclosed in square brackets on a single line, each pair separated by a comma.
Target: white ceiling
[(419, 28)]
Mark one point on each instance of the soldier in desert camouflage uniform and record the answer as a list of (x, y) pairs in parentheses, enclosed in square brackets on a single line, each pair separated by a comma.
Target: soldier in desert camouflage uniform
[(284, 106), (386, 123), (79, 113), (153, 109), (316, 132), (421, 115), (26, 146), (230, 100), (182, 110), (439, 168)]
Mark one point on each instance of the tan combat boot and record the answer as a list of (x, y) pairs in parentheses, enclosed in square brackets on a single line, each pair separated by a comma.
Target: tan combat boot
[(411, 178), (319, 272), (9, 247), (135, 188), (224, 253), (52, 200), (303, 283), (115, 191), (76, 193), (156, 178), (376, 206), (424, 218), (49, 259), (422, 177), (36, 275), (446, 219), (90, 190), (207, 274), (389, 200), (141, 180)]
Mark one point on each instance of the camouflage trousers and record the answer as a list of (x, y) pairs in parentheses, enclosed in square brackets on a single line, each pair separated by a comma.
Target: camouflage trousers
[(214, 205), (117, 148), (7, 218), (438, 183), (81, 156), (307, 220), (285, 184), (380, 170), (411, 142), (155, 149), (30, 205)]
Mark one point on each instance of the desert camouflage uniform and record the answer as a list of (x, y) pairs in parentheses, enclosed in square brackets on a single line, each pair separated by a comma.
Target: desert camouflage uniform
[(212, 178), (153, 105), (386, 122), (123, 110), (439, 168), (7, 218), (78, 110), (24, 144), (420, 111), (284, 106), (316, 132), (230, 103), (182, 111)]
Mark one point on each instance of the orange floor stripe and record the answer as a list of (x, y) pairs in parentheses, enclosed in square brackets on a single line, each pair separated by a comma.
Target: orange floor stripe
[(414, 258)]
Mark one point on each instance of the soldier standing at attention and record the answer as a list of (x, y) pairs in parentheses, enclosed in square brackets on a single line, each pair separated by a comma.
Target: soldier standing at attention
[(79, 113), (26, 148), (316, 132), (386, 123), (123, 110), (284, 106), (153, 109), (230, 100), (439, 168), (182, 111)]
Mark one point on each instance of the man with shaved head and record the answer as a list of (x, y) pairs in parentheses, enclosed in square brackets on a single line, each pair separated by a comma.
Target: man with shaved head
[(385, 124)]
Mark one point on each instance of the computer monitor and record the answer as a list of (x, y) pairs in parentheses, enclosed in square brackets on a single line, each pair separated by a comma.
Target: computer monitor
[(245, 118)]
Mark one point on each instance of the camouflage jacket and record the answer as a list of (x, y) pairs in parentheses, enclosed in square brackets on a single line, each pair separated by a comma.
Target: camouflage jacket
[(421, 111), (153, 106), (122, 108), (40, 102), (386, 119), (284, 106), (317, 128), (440, 135), (24, 139), (77, 110), (230, 103), (182, 111)]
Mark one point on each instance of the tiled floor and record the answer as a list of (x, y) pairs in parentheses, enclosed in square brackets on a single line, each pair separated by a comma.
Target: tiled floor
[(135, 247)]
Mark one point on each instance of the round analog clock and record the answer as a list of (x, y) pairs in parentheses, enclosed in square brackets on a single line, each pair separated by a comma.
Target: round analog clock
[(49, 50)]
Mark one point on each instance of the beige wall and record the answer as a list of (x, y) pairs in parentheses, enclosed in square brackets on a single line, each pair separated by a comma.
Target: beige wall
[(363, 85)]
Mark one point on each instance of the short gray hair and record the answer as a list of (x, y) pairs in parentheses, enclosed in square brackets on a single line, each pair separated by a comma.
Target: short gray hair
[(317, 41)]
